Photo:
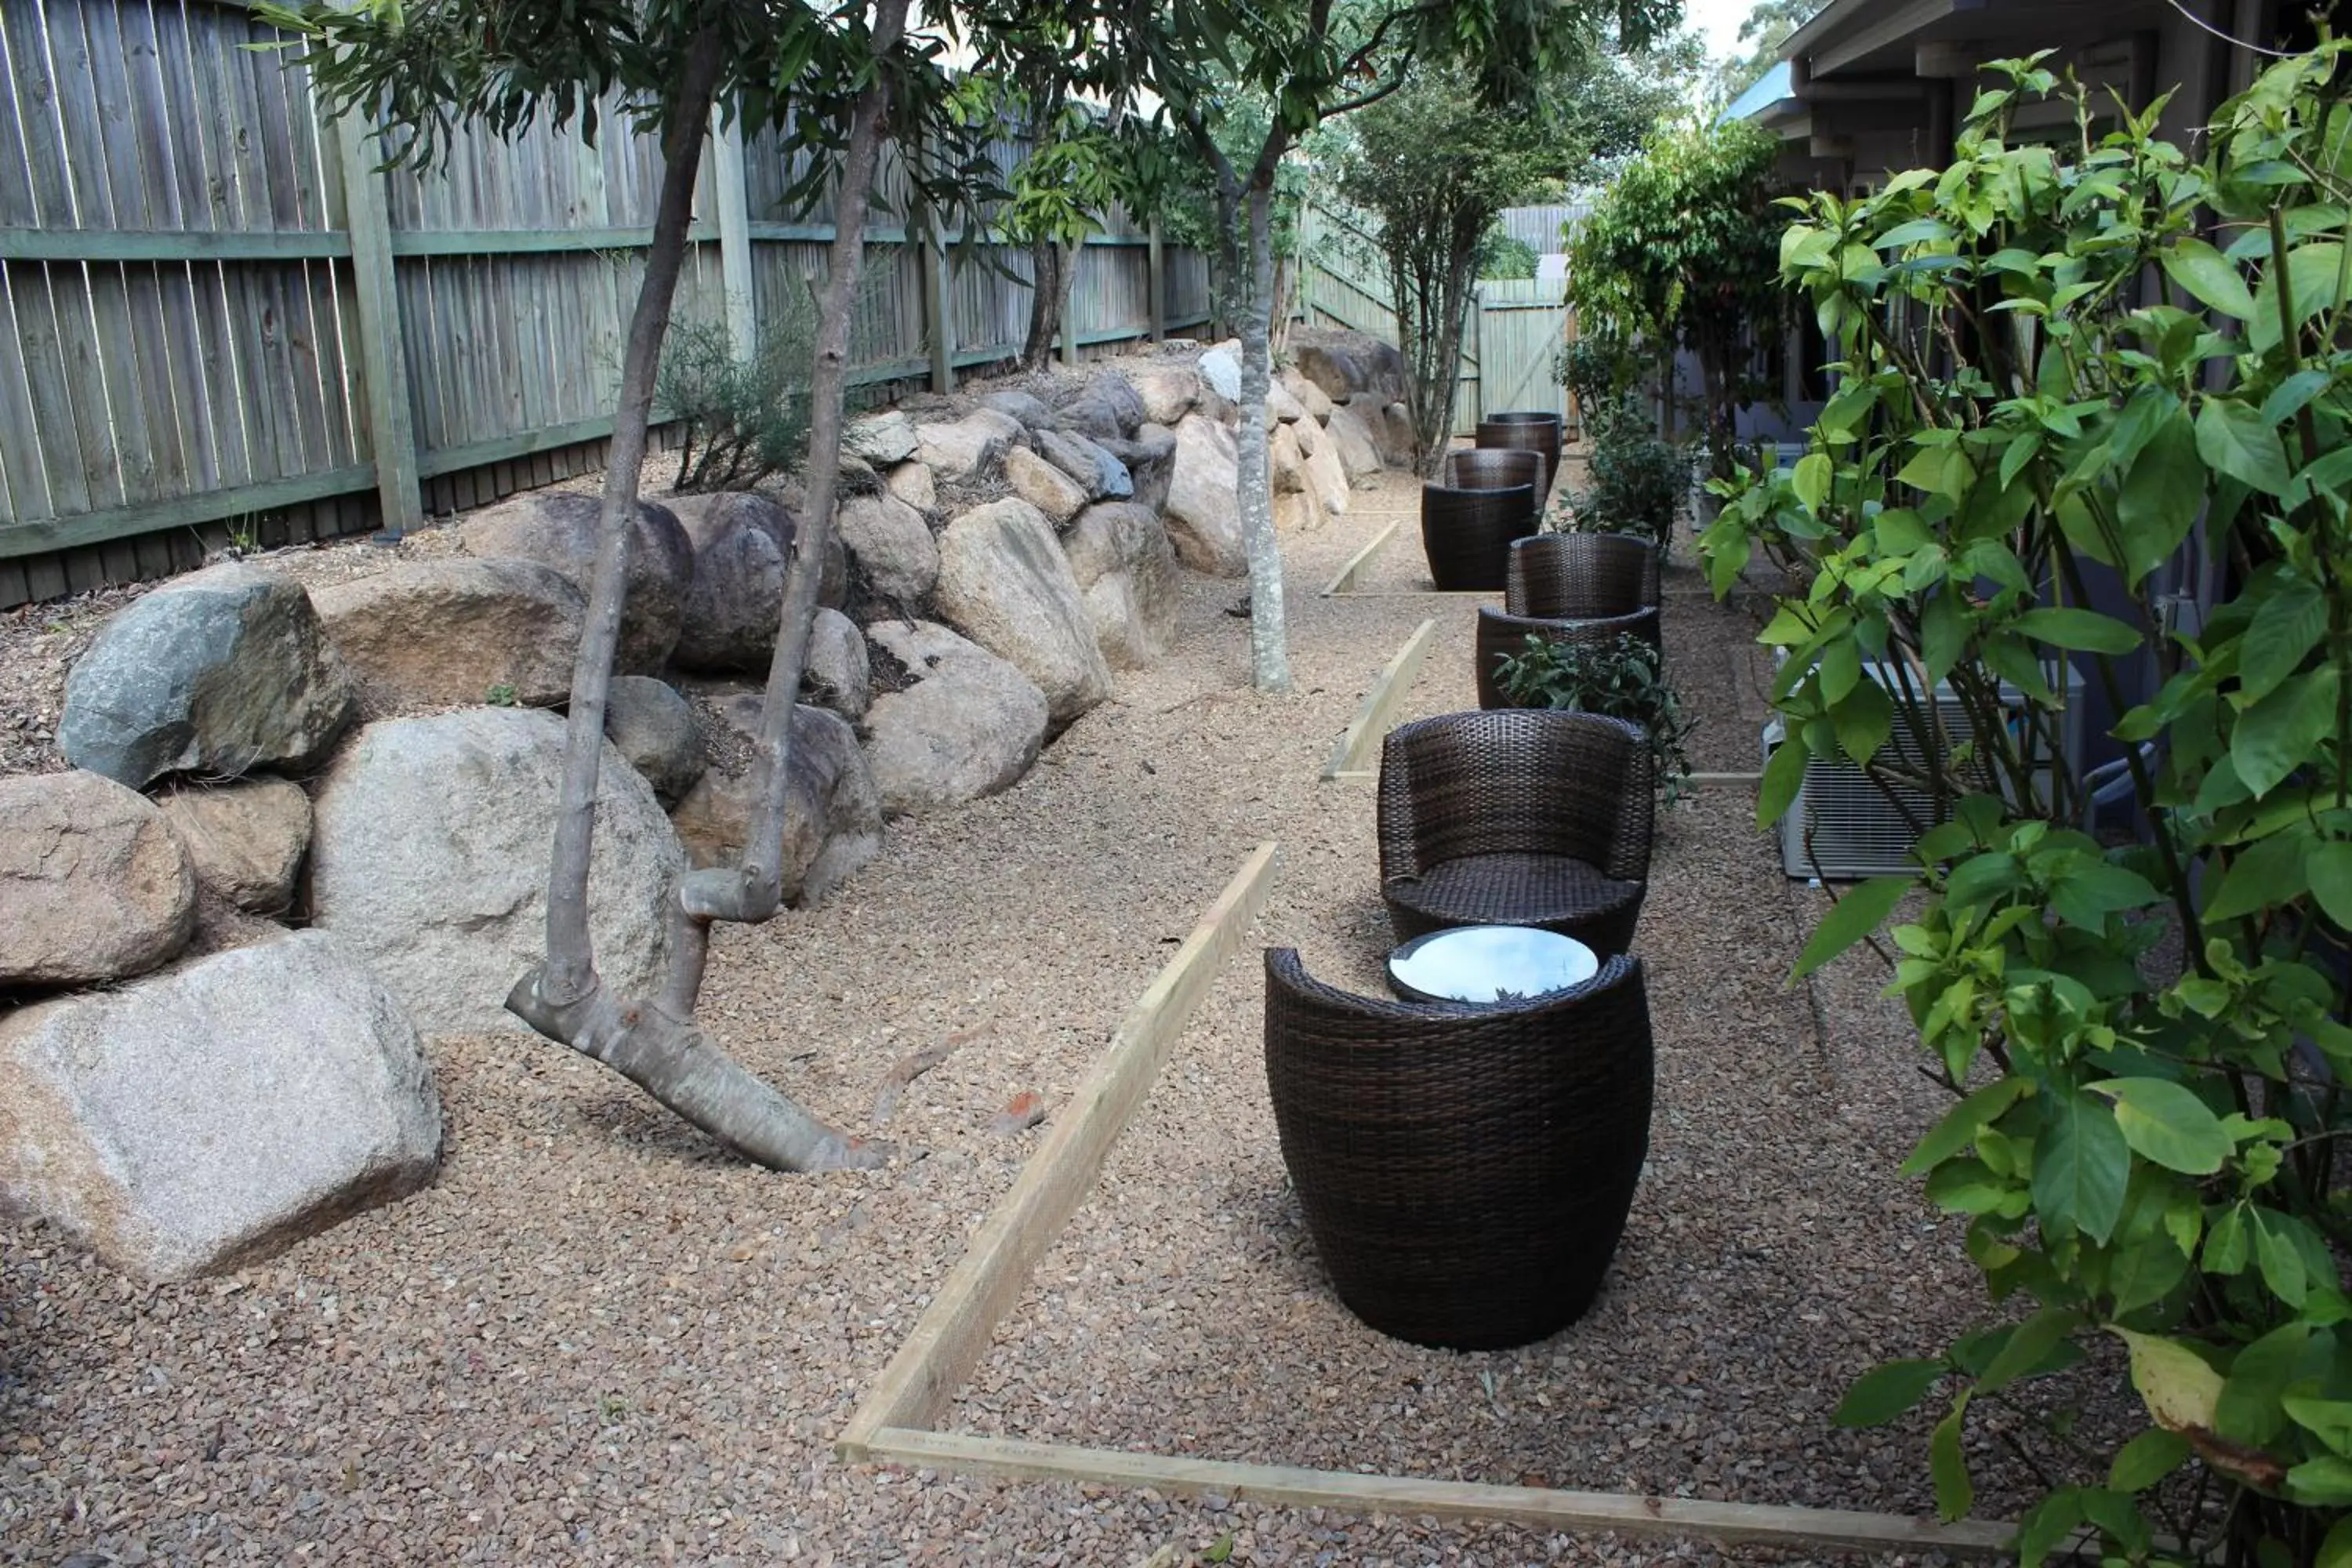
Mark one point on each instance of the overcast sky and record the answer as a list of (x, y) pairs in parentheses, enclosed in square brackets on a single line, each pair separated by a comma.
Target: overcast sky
[(1718, 21)]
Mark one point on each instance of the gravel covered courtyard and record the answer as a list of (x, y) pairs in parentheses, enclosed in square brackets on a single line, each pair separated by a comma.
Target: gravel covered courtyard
[(598, 1339)]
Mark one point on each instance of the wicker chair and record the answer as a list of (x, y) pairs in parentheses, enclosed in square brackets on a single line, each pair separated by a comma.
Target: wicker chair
[(1581, 576), (1528, 432), (1466, 1169), (1502, 635), (1485, 469), (1468, 533), (1523, 817)]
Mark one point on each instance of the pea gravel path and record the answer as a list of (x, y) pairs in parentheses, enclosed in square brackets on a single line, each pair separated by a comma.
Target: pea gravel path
[(596, 1339)]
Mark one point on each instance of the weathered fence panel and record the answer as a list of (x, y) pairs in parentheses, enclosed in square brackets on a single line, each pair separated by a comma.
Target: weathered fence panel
[(193, 345)]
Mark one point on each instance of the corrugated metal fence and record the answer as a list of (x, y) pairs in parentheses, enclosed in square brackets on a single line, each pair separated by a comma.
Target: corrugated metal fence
[(214, 300)]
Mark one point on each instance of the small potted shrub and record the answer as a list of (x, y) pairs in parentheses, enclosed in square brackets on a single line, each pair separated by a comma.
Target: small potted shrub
[(1623, 679)]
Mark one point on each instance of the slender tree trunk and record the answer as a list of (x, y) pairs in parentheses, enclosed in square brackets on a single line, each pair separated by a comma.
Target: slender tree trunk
[(655, 1044), (1046, 290), (1228, 286), (1269, 641)]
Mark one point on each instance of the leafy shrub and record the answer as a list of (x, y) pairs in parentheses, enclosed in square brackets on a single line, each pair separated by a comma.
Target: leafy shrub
[(1638, 483), (1623, 679), (1503, 258), (745, 420), (2147, 1156), (1596, 368)]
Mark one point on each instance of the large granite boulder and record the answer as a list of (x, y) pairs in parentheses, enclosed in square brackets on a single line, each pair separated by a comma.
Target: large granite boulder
[(968, 449), (94, 885), (1126, 569), (1107, 408), (1043, 485), (557, 529), (960, 724), (1100, 475), (209, 1116), (1286, 465), (834, 671), (832, 817), (881, 439), (1350, 431), (1312, 399), (1167, 391), (1221, 372), (1005, 584), (1032, 414), (1358, 365), (246, 839), (654, 730), (891, 546), (1394, 436), (1202, 515), (1326, 475), (450, 633), (742, 545), (914, 484), (1281, 407), (429, 853), (219, 672)]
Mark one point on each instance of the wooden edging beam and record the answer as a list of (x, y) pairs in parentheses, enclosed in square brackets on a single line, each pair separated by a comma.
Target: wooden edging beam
[(1360, 560), (1631, 1514), (954, 1331), (1377, 713)]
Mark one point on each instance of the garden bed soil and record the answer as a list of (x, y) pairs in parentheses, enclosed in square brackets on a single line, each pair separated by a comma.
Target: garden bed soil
[(597, 1338)]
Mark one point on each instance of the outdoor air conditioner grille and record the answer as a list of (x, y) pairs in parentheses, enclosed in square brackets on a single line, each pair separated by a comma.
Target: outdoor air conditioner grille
[(1842, 826)]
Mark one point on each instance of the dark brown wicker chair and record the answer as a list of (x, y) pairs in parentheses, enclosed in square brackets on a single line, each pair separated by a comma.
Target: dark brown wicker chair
[(1533, 431), (1494, 467), (1522, 817), (1466, 1169), (1467, 534), (1581, 576), (1502, 635)]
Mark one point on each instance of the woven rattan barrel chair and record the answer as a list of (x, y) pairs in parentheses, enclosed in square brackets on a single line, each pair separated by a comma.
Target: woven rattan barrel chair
[(1521, 817), (1530, 431), (1466, 534), (1503, 635), (1465, 1169), (1581, 576), (1479, 469)]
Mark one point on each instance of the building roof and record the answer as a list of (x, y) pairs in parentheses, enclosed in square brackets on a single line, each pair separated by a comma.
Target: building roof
[(1771, 87)]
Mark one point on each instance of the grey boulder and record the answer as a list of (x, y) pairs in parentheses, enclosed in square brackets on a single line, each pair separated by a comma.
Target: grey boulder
[(219, 672), (94, 885), (834, 672), (245, 840), (1005, 584), (209, 1116), (1020, 405), (968, 449), (832, 817), (959, 723), (892, 547), (743, 544), (1102, 475), (1043, 485), (1126, 571), (880, 439), (557, 529), (1351, 432), (1167, 391), (1150, 459), (654, 730), (1203, 513), (429, 853), (450, 633)]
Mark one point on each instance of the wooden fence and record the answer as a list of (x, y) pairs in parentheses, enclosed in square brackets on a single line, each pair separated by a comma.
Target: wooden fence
[(227, 321)]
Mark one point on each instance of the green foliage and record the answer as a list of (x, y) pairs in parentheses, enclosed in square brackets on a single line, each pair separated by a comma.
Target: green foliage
[(1638, 481), (1681, 252), (1599, 369), (1504, 259), (1623, 679), (745, 419), (2148, 1155)]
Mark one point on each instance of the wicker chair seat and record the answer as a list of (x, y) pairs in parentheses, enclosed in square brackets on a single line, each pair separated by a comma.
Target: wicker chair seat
[(1465, 1170), (1557, 892)]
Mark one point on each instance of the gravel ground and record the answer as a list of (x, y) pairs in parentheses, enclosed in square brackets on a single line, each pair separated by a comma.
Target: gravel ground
[(597, 1339)]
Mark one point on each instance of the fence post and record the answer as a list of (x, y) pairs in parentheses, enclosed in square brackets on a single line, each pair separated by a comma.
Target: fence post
[(734, 234), (1155, 279), (382, 363), (939, 292)]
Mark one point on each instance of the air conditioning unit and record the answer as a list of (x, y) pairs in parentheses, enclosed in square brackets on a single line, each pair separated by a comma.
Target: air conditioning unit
[(1843, 826)]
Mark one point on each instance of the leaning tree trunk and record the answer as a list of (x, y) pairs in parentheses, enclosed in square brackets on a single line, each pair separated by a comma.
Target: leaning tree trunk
[(653, 1042), (1226, 288), (1253, 489), (1047, 289)]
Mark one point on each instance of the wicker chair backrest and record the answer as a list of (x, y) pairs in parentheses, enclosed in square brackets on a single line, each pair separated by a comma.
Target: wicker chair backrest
[(1516, 781)]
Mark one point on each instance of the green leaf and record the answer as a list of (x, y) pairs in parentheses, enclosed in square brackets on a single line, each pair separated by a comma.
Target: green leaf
[(2288, 626), (2085, 631), (2210, 277), (1784, 775), (1955, 1494), (1883, 1393), (2323, 1482), (1863, 909), (2311, 276), (2160, 495), (1812, 480), (2272, 871), (2143, 1271), (2283, 731), (2235, 440), (1220, 1549), (2082, 1166), (2277, 1255), (1864, 720), (1959, 1128), (2335, 1551), (2163, 1121), (2174, 1382), (2147, 1460), (2329, 1420), (2026, 1349), (2330, 870)]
